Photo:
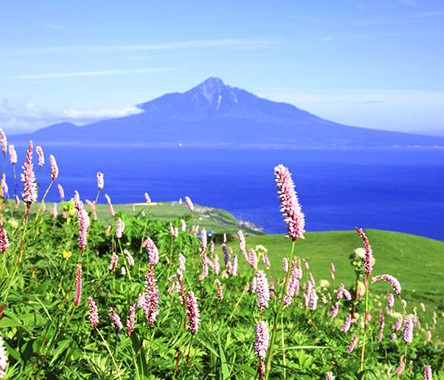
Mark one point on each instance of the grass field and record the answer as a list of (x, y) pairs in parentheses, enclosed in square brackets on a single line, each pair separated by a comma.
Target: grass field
[(417, 262)]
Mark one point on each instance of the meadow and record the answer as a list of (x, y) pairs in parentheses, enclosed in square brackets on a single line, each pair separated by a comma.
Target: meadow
[(145, 292)]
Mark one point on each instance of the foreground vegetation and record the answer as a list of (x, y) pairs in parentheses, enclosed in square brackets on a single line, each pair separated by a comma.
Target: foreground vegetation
[(128, 296)]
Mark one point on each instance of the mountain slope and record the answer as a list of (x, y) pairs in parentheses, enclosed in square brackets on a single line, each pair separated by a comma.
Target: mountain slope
[(215, 114)]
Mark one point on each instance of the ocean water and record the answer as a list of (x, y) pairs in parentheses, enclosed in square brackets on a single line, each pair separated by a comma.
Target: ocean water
[(391, 189)]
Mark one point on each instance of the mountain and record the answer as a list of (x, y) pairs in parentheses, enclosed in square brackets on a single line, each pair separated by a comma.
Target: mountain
[(214, 114)]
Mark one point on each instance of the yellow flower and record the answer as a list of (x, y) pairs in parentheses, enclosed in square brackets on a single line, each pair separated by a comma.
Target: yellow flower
[(66, 254)]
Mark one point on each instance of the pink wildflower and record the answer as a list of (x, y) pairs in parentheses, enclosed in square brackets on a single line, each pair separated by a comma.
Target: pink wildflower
[(147, 199), (226, 254), (93, 313), (61, 191), (3, 141), (4, 242), (266, 260), (54, 211), (153, 253), (401, 366), (100, 181), (29, 193), (92, 207), (110, 205), (151, 297), (329, 376), (290, 207), (390, 300), (41, 156), (368, 257), (285, 264), (203, 240), (398, 324), (192, 313), (183, 225), (381, 326), (261, 340), (78, 294), (262, 290), (204, 273), (391, 280), (291, 287), (131, 320), (189, 203), (83, 220), (129, 257), (120, 228), (113, 262), (334, 309), (234, 266), (12, 155), (407, 334), (182, 261), (220, 294), (313, 299), (347, 323), (115, 319), (54, 168), (252, 258), (427, 373), (3, 358), (352, 344)]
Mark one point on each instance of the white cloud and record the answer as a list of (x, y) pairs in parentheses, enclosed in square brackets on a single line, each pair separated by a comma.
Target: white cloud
[(23, 117), (89, 73), (100, 113), (169, 45)]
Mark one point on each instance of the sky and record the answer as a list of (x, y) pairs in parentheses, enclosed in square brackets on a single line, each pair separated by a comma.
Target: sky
[(368, 63)]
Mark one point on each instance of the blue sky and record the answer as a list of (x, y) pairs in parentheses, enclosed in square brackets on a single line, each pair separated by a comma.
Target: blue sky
[(369, 63)]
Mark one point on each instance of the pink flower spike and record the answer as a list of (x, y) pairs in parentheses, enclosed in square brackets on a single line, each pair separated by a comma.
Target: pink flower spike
[(29, 193), (189, 203), (391, 280), (407, 334), (12, 155), (401, 366), (4, 242), (262, 339), (83, 220), (192, 313), (129, 257), (147, 199), (262, 290), (3, 141), (153, 253), (352, 344), (110, 205), (54, 168), (41, 156), (113, 262), (100, 181), (120, 228), (427, 373), (115, 319), (78, 294), (290, 207), (368, 257), (93, 313), (61, 191), (329, 376), (131, 320)]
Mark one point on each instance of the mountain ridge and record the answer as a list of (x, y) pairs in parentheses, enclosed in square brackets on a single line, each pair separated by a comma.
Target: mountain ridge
[(215, 114)]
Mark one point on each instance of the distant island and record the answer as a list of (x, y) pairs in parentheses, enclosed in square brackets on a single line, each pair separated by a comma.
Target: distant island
[(213, 114)]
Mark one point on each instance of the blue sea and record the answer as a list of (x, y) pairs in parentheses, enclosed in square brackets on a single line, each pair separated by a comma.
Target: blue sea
[(388, 189)]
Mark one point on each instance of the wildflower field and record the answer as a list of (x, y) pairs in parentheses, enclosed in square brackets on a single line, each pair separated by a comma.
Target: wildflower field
[(128, 296)]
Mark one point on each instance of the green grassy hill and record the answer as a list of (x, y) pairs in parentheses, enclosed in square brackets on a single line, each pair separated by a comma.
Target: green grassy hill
[(417, 262)]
